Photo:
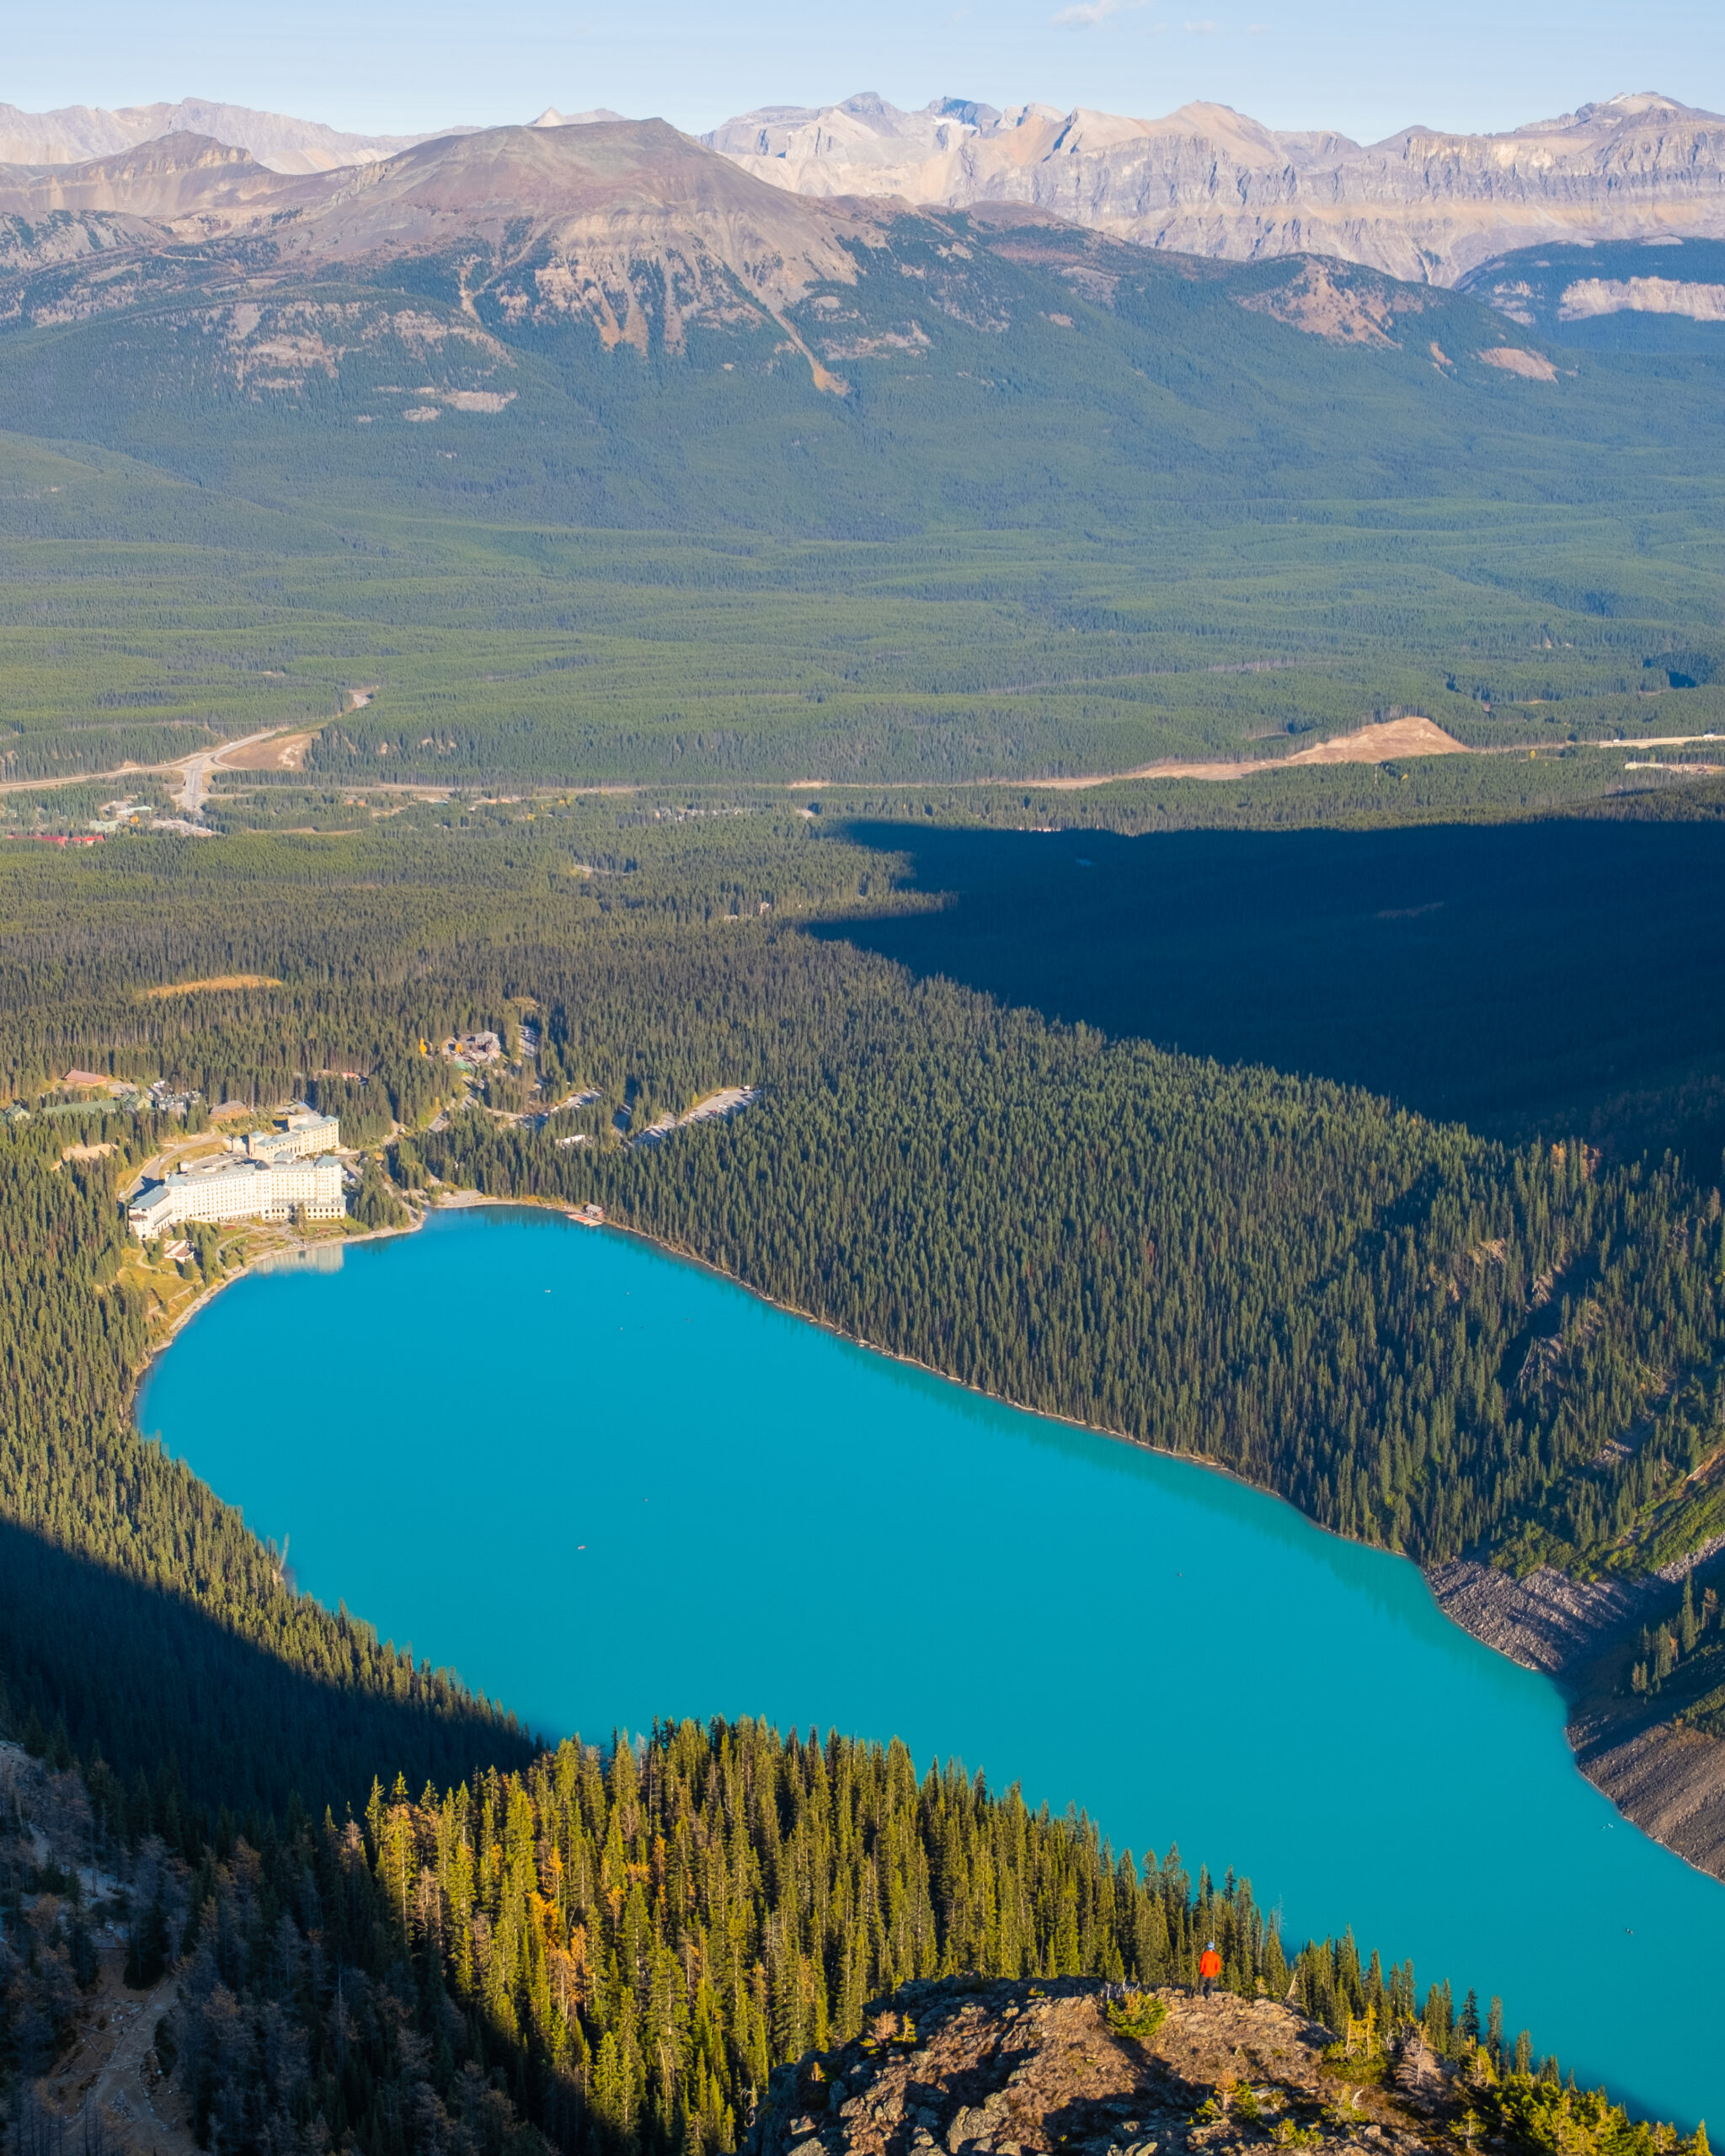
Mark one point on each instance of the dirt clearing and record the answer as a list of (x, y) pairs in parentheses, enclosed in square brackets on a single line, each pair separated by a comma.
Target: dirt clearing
[(1411, 736), (207, 987), (1378, 743), (286, 752)]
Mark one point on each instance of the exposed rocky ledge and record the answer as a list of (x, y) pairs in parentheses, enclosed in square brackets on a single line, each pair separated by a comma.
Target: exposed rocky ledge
[(1016, 2068)]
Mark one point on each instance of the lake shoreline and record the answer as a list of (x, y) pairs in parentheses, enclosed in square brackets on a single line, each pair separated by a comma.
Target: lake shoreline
[(820, 1530), (1660, 1779), (232, 1275)]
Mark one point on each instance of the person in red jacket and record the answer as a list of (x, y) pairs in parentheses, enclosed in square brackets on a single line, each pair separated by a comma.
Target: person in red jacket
[(1210, 1966)]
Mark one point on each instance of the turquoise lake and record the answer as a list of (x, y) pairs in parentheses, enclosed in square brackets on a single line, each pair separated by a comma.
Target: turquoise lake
[(604, 1485)]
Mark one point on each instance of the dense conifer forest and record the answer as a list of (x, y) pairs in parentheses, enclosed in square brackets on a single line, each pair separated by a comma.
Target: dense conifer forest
[(140, 1619), (612, 1953)]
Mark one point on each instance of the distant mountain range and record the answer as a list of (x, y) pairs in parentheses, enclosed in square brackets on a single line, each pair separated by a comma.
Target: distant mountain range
[(468, 316), (626, 227), (79, 132), (1423, 205)]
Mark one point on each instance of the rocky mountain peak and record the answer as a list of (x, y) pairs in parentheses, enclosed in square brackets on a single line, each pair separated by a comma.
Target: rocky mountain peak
[(551, 117)]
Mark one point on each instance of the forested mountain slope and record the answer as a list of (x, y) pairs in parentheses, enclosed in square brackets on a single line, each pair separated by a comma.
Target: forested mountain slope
[(626, 1956), (140, 1621), (500, 286), (1506, 974)]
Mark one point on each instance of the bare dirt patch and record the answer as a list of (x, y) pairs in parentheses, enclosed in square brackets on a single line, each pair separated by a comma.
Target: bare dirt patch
[(1412, 736), (1385, 741), (1515, 358), (1354, 311), (215, 982), (286, 752)]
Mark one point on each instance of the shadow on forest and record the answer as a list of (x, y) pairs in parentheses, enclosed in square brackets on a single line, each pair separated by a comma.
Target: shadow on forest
[(1552, 975), (149, 1678)]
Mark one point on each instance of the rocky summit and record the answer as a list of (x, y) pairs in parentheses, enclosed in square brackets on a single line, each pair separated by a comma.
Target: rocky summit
[(1069, 2065)]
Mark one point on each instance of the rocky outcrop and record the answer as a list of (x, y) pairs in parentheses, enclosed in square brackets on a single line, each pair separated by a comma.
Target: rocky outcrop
[(975, 2068), (1423, 205)]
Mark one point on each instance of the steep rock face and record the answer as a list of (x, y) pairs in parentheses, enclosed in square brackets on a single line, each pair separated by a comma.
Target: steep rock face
[(1423, 205)]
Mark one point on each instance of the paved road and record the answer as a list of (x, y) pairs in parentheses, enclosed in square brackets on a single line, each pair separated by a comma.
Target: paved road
[(195, 784), (195, 772)]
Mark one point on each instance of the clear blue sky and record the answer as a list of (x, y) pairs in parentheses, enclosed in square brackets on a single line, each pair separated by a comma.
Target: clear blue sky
[(1366, 66)]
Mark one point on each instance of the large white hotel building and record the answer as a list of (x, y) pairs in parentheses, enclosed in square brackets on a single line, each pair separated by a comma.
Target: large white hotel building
[(283, 1184), (305, 1133)]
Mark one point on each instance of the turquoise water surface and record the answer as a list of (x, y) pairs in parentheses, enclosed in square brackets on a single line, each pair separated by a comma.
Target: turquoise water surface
[(605, 1485)]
